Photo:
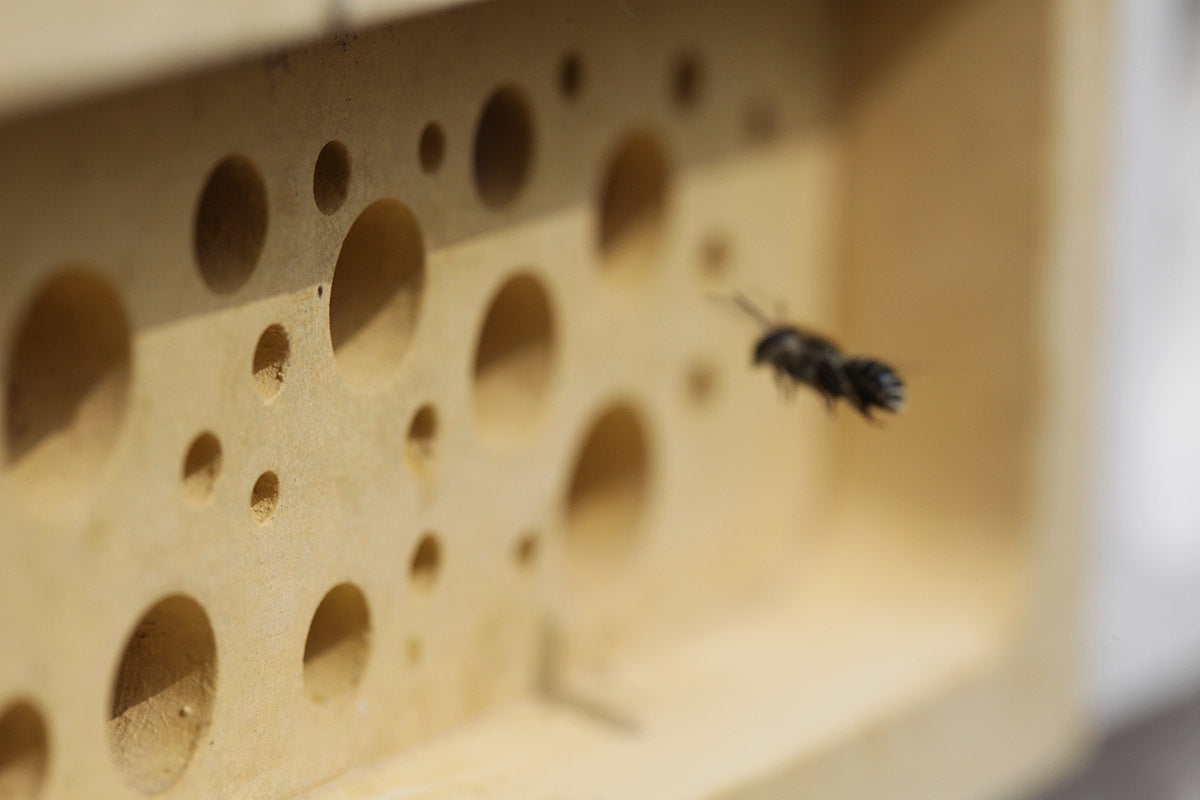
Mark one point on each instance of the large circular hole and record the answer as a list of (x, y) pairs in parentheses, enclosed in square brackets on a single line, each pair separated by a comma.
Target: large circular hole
[(338, 644), (231, 224), (23, 752), (331, 177), (163, 694), (271, 357), (514, 359), (633, 204), (503, 147), (608, 493), (425, 564), (202, 467), (431, 150), (67, 384), (376, 293)]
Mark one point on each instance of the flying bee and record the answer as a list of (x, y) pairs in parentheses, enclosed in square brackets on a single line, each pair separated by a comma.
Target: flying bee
[(801, 357)]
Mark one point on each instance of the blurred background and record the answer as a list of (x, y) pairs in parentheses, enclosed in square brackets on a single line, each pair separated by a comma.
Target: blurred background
[(1144, 649)]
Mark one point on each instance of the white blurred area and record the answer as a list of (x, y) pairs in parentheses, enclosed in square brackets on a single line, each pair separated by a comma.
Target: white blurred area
[(1145, 651)]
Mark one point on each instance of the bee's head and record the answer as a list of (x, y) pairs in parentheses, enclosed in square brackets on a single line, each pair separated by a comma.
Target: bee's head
[(775, 345)]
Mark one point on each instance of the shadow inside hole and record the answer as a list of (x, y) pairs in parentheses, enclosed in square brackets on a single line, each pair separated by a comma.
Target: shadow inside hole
[(23, 752), (337, 647), (608, 495), (376, 292), (162, 695), (68, 378)]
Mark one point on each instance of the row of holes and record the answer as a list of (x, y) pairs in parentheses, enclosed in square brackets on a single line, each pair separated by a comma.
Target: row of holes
[(173, 646), (68, 377), (231, 219)]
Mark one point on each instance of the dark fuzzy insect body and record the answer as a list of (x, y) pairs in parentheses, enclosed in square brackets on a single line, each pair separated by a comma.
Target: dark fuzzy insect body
[(800, 357)]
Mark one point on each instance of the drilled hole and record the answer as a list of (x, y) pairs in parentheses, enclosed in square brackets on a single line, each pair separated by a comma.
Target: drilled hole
[(760, 118), (271, 357), (700, 384), (514, 360), (608, 493), (715, 256), (231, 224), (633, 204), (67, 385), (23, 752), (375, 298), (422, 435), (163, 694), (525, 553), (687, 80), (202, 467), (338, 644), (425, 564), (570, 76), (331, 177), (264, 497), (431, 150), (503, 147)]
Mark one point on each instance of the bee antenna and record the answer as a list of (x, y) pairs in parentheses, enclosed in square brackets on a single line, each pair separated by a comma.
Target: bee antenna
[(746, 304)]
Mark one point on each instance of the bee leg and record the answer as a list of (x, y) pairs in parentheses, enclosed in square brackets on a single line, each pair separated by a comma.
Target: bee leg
[(865, 410)]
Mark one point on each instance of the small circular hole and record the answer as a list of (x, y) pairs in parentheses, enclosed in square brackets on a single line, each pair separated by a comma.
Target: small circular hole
[(607, 495), (700, 384), (264, 497), (514, 360), (422, 435), (633, 202), (331, 177), (761, 121), (162, 697), (271, 357), (338, 644), (231, 224), (202, 467), (432, 148), (715, 256), (503, 147), (67, 384), (376, 294), (425, 564), (570, 76), (525, 553), (687, 78), (23, 752)]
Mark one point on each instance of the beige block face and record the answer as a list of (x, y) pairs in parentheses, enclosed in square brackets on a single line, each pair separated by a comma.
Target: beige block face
[(376, 413)]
